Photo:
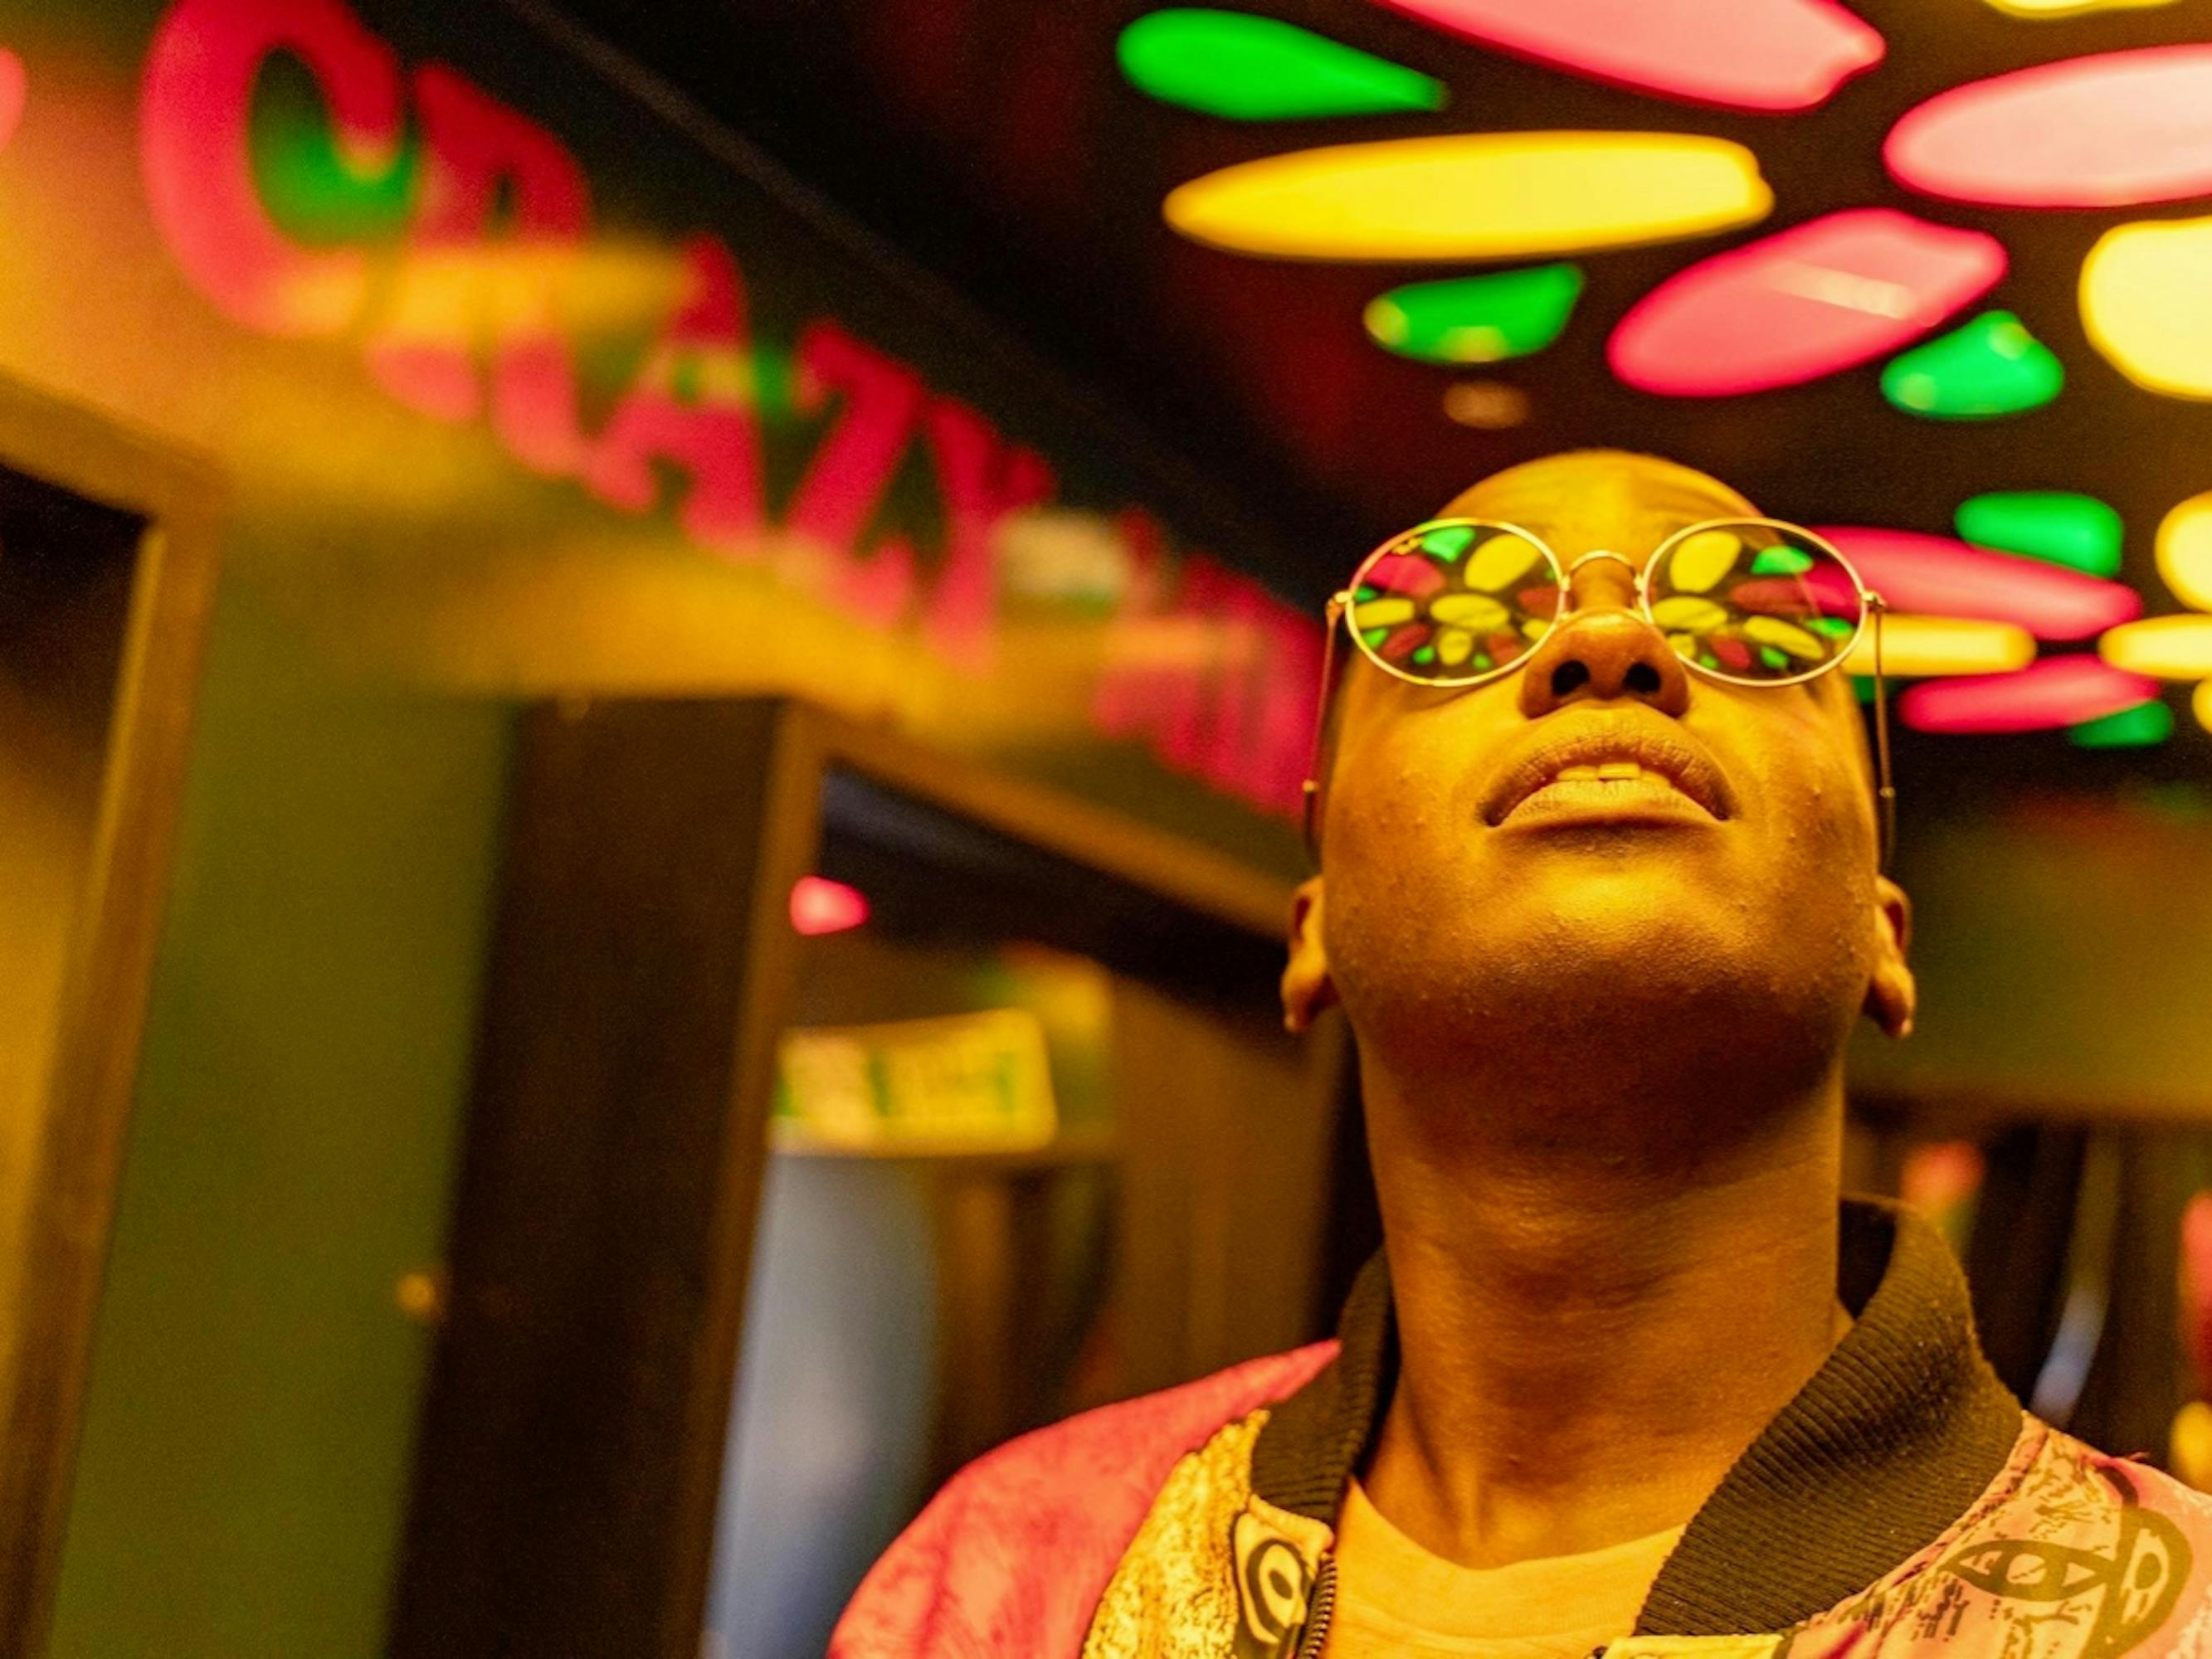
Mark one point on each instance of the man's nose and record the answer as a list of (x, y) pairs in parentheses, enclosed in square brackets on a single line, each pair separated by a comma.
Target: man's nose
[(1602, 648)]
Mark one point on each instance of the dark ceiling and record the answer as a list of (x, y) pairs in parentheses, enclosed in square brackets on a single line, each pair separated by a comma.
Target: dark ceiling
[(996, 141)]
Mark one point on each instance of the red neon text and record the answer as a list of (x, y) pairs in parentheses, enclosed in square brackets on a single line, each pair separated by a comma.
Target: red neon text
[(424, 351), (1217, 677), (715, 437), (470, 331), (195, 102)]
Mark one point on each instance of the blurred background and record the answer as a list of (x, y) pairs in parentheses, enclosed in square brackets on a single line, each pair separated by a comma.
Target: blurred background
[(657, 661)]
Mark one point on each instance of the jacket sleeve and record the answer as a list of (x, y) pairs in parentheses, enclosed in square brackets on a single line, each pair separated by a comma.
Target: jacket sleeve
[(1012, 1556)]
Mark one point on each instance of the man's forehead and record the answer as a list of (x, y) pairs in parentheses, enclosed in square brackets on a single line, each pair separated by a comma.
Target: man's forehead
[(1599, 498)]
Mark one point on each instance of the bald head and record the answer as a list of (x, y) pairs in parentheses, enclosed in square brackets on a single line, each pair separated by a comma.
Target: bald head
[(1602, 497)]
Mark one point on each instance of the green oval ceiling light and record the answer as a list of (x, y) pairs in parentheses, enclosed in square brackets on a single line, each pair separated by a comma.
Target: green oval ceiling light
[(1476, 319), (2079, 531), (2139, 727), (1991, 367), (1245, 68)]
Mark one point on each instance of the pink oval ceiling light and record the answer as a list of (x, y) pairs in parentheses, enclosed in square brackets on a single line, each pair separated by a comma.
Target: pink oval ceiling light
[(2116, 129), (1945, 578), (2041, 697), (1804, 302), (1740, 54)]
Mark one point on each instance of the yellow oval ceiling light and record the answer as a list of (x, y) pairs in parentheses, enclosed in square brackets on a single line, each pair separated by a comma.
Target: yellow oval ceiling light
[(2071, 8), (1919, 647), (2200, 704), (2168, 647), (2142, 302), (1474, 196), (2185, 552)]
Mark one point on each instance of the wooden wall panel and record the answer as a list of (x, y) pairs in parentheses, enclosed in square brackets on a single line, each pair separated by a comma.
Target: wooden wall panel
[(100, 687), (603, 1220)]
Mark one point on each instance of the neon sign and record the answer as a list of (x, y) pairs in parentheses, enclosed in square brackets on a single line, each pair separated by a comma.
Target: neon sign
[(468, 327), (1239, 717), (2117, 130), (1770, 55), (1806, 302)]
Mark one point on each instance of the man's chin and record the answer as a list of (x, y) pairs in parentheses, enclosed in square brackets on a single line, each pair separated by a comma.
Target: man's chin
[(1658, 998), (1618, 904), (1648, 931), (1635, 945)]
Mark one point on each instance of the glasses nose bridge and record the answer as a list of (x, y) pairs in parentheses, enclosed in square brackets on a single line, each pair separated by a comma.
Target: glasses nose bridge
[(1621, 559), (1574, 588)]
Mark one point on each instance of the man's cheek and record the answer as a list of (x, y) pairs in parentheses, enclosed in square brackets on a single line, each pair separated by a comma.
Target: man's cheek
[(1825, 882), (1405, 875), (1397, 804)]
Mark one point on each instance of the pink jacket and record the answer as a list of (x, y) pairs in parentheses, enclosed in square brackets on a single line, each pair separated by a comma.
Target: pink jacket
[(1902, 1504)]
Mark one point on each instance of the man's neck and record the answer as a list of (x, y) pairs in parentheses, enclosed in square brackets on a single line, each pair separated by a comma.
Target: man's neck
[(1587, 1343)]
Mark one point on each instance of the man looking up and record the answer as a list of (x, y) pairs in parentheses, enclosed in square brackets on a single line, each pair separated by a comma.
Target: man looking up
[(1598, 892)]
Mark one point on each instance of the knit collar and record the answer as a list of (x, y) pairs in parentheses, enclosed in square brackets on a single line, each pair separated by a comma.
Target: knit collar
[(1892, 1439)]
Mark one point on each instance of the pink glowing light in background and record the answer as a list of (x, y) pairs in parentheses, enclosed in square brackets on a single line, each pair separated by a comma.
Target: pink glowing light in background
[(1804, 302), (14, 83), (2112, 131), (1751, 54), (1944, 578), (2055, 692), (820, 906)]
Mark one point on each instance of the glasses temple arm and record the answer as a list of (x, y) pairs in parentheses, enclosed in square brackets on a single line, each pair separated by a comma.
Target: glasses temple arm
[(1885, 785), (1309, 791)]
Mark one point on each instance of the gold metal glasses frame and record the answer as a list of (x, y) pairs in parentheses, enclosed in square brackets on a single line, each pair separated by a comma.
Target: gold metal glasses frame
[(1872, 608)]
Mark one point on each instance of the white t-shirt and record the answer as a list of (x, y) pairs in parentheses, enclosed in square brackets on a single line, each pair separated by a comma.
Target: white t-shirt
[(1395, 1600)]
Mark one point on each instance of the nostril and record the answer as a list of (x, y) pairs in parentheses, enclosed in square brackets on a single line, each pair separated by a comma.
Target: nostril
[(1570, 678), (1642, 679)]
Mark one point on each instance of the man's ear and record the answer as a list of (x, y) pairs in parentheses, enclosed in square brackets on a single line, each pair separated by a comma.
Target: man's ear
[(1892, 997), (1307, 989)]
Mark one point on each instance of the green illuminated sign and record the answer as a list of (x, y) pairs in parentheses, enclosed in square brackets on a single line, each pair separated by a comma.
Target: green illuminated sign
[(1245, 68), (2079, 531), (1991, 367), (1476, 319), (2145, 724)]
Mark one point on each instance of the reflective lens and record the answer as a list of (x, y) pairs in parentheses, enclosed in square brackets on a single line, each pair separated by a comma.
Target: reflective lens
[(1454, 601), (1760, 602)]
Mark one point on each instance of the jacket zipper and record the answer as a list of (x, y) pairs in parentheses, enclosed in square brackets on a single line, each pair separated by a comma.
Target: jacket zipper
[(1320, 1607)]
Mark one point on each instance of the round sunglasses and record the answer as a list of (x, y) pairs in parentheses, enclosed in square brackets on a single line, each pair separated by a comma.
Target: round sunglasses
[(1753, 602)]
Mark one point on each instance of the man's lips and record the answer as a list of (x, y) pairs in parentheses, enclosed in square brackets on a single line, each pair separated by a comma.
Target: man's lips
[(1597, 762)]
